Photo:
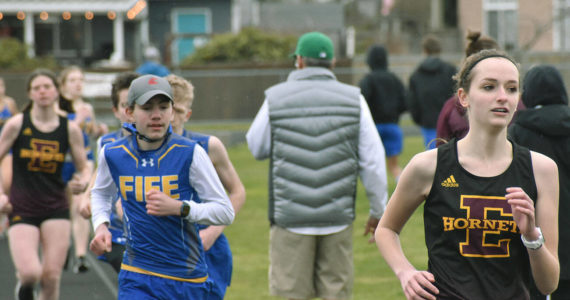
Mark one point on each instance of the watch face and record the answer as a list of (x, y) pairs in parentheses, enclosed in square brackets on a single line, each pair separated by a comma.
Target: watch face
[(185, 209)]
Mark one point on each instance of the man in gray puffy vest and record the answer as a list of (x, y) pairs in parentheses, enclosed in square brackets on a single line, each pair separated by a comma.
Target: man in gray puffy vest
[(319, 136)]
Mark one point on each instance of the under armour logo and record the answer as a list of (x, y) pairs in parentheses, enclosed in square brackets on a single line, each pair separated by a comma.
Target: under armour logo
[(152, 80), (149, 162)]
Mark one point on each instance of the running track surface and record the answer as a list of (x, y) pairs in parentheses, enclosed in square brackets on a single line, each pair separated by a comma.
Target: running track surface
[(100, 282)]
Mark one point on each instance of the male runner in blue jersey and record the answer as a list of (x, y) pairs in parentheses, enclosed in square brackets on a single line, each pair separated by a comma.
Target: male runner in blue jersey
[(119, 92), (218, 252), (158, 174)]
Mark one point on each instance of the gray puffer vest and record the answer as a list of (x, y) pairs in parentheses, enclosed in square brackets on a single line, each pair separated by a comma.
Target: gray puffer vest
[(315, 124)]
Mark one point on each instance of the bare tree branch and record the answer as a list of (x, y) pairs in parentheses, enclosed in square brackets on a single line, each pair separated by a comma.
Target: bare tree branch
[(540, 29)]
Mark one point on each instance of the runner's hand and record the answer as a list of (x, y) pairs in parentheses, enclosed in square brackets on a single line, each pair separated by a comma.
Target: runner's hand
[(5, 205), (209, 236), (85, 208), (101, 243), (370, 228), (77, 185), (418, 285), (523, 211), (160, 204)]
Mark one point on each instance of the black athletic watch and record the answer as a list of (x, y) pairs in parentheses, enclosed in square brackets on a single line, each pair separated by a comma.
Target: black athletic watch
[(185, 209)]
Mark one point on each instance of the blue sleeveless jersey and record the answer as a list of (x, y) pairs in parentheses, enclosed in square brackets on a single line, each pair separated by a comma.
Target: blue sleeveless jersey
[(115, 224), (68, 166), (5, 114), (219, 256), (162, 246), (199, 138)]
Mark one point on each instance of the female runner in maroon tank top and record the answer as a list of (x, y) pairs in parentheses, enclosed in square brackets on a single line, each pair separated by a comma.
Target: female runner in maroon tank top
[(38, 208), (490, 206)]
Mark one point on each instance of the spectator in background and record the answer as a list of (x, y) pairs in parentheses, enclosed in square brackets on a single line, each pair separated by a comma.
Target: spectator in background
[(152, 64), (545, 127), (452, 122), (319, 136), (385, 95), (431, 84)]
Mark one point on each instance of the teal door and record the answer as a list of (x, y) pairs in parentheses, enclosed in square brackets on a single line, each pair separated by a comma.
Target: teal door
[(193, 22)]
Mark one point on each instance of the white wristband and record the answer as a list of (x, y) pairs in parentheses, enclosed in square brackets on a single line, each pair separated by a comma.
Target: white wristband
[(534, 245)]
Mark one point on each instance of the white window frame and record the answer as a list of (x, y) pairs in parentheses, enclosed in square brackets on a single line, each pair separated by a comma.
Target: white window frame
[(561, 26), (501, 6)]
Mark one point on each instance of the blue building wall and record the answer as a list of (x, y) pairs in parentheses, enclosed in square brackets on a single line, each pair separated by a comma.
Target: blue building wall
[(160, 20)]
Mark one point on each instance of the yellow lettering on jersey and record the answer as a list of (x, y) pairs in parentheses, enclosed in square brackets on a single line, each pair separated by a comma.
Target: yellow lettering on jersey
[(488, 219), (125, 185), (150, 183), (503, 225), (168, 184), (448, 223), (44, 155), (475, 224), (139, 192), (490, 224), (514, 227), (460, 223)]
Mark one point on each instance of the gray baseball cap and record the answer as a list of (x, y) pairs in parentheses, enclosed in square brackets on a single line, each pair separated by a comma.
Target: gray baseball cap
[(145, 87)]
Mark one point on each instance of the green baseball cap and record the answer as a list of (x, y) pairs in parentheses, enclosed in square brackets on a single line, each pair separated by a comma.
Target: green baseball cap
[(315, 45)]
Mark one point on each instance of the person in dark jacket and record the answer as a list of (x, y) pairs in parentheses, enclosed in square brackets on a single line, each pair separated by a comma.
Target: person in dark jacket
[(385, 94), (430, 86), (452, 122), (544, 126)]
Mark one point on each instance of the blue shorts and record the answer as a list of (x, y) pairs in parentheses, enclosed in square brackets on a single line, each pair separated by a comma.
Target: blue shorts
[(429, 137), (67, 171), (392, 138), (138, 286), (219, 261), (68, 168)]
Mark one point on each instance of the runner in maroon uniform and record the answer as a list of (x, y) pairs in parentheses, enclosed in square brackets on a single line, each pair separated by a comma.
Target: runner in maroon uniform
[(491, 206), (39, 210)]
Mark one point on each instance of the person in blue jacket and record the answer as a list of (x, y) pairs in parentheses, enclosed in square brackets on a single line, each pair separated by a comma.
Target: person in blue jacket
[(152, 63)]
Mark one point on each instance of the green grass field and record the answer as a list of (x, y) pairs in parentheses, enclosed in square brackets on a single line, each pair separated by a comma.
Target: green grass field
[(249, 236)]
